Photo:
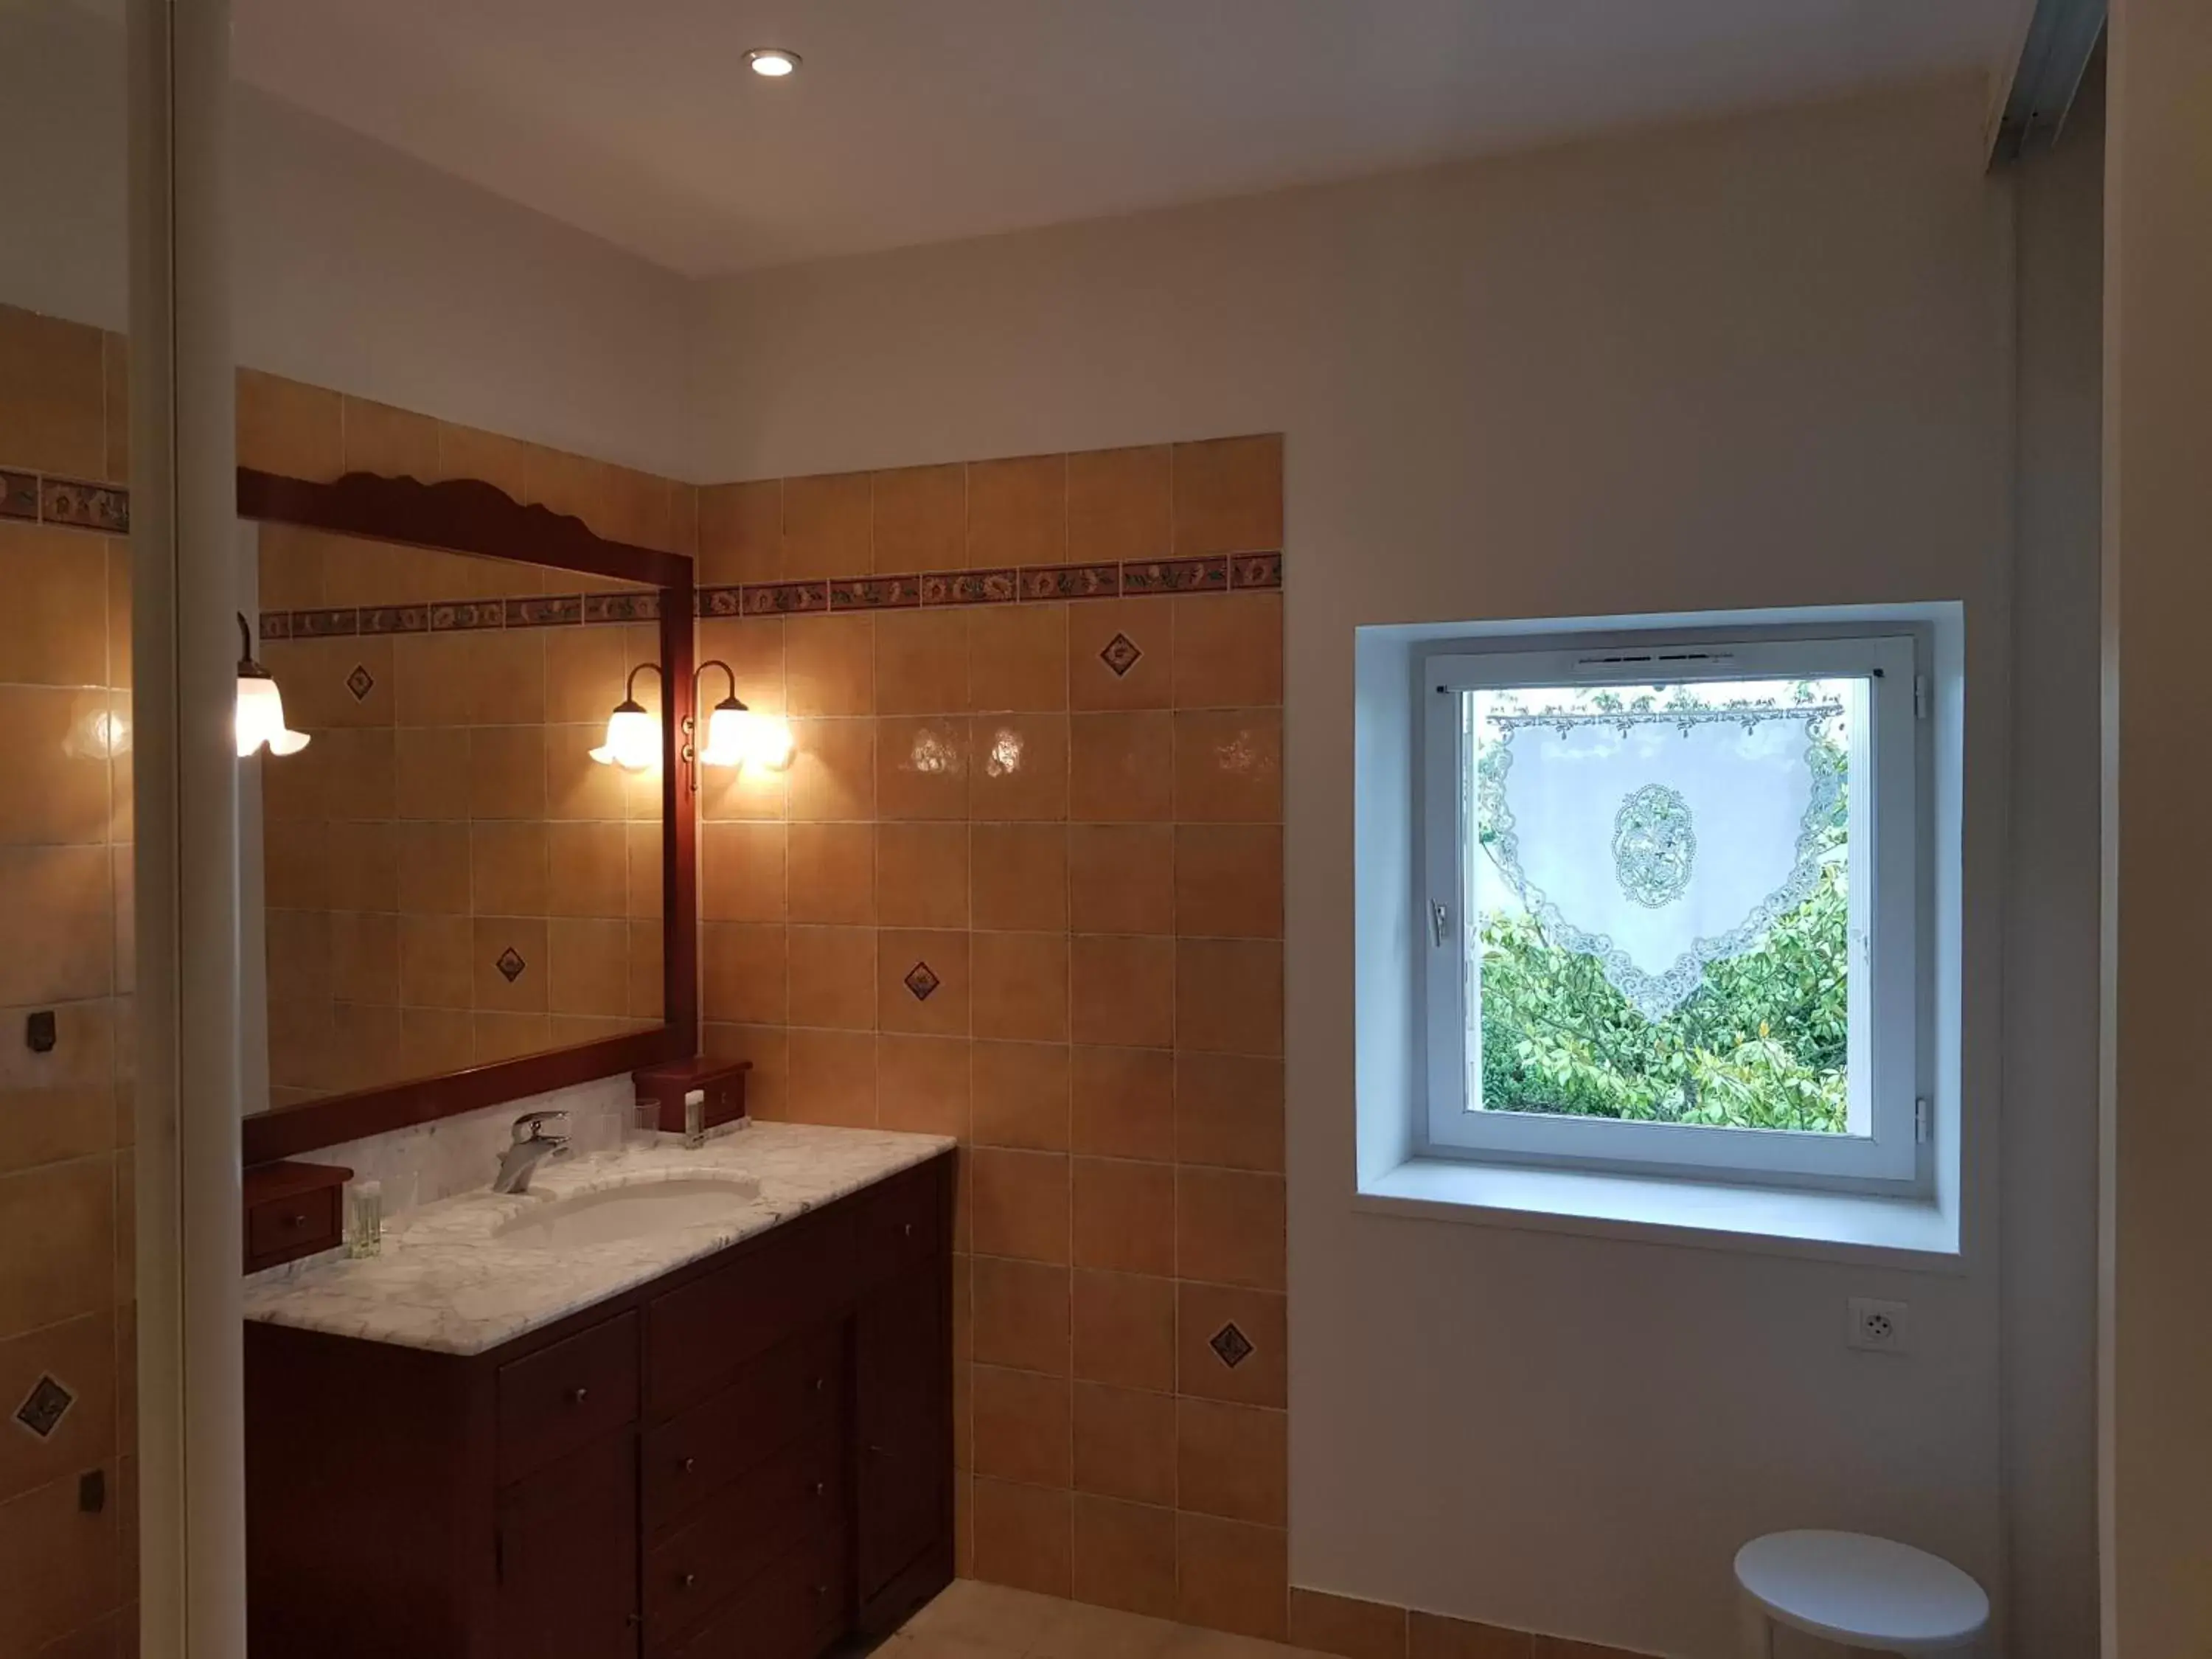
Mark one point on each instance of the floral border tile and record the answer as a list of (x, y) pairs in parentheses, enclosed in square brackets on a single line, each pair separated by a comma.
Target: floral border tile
[(333, 622), (1176, 576), (729, 601), (784, 598), (875, 593), (1249, 570), (85, 506), (461, 614), (622, 607), (18, 495), (549, 611), (971, 586), (1071, 581), (395, 619), (275, 625)]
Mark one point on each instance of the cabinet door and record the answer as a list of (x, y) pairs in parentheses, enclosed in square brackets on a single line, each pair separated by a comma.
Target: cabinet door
[(568, 1557), (903, 1382)]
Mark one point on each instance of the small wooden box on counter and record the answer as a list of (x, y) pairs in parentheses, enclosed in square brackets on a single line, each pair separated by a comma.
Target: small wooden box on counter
[(722, 1081), (292, 1210)]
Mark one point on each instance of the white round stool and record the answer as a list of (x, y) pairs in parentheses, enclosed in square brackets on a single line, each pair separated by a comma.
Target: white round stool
[(1860, 1591)]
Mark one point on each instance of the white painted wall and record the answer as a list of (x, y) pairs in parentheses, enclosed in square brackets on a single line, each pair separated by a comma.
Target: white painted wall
[(354, 267), (1761, 362)]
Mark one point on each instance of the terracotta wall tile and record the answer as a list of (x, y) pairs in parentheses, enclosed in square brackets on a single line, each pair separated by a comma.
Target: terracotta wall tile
[(1124, 1556), (743, 870), (1020, 767), (1021, 1425), (507, 865), (1229, 1228), (59, 906), (501, 1035), (587, 870), (922, 767), (1232, 1576), (755, 650), (647, 995), (1020, 986), (1124, 1330), (833, 977), (1125, 1444), (1121, 878), (53, 631), (1119, 504), (741, 534), (833, 770), (1228, 650), (1121, 991), (832, 872), (1021, 1311), (922, 875), (826, 525), (1232, 1461), (1018, 877), (365, 957), (498, 461), (1202, 1313), (1124, 1219), (1123, 1102), (1022, 1536), (768, 1046), (53, 390), (1229, 880), (921, 661), (437, 967), (437, 1039), (921, 519), (81, 1355), (69, 1208), (395, 443), (1018, 658), (1121, 653), (1432, 1636), (507, 769), (1229, 766), (587, 967), (1122, 768), (829, 666), (1021, 1204), (1229, 1111), (742, 973), (59, 781), (1229, 496), (1229, 995), (493, 938), (584, 670), (1018, 512), (922, 1085), (64, 1566), (63, 1103), (288, 427), (1350, 1629), (1021, 1095), (833, 1078)]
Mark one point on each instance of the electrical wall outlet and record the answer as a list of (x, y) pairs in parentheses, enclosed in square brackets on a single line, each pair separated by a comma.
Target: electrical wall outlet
[(1878, 1327)]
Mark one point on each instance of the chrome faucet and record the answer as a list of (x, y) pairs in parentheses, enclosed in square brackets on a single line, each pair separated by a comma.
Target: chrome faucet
[(531, 1146)]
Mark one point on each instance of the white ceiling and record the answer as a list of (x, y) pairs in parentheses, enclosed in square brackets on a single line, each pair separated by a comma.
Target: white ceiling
[(924, 120)]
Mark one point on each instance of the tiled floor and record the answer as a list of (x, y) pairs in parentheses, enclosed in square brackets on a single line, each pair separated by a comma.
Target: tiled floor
[(972, 1620)]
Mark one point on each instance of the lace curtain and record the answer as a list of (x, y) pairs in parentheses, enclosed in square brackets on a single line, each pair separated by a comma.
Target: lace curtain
[(1659, 836)]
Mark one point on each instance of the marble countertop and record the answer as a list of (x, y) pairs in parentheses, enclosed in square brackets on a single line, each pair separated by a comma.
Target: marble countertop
[(447, 1281)]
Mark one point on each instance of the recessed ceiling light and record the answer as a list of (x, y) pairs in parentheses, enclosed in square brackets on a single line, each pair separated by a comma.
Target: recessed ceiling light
[(772, 62)]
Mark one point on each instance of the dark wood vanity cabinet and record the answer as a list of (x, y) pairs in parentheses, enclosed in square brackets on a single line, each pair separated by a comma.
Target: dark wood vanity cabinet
[(746, 1459)]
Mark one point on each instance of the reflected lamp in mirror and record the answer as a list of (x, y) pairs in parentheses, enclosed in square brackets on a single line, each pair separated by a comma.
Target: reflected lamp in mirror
[(633, 739), (260, 720), (736, 735)]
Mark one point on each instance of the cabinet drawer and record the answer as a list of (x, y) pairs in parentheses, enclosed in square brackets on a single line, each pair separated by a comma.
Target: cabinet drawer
[(899, 1224), (567, 1395), (793, 1610), (697, 1338), (297, 1224), (794, 1389), (742, 1529)]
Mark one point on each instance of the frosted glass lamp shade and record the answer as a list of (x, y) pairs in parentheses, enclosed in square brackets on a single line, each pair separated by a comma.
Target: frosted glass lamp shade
[(261, 717), (633, 739), (736, 736)]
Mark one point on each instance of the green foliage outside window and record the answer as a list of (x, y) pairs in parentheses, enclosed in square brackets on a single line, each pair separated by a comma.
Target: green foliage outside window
[(1761, 1045)]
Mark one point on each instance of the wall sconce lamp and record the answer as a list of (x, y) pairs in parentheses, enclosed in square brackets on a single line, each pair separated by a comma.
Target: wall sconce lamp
[(736, 736), (633, 739), (260, 719)]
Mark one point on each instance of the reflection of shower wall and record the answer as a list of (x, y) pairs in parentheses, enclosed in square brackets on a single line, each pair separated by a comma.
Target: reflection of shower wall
[(66, 1351)]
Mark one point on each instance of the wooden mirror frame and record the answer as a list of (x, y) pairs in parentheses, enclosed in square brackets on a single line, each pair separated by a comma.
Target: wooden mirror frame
[(469, 516)]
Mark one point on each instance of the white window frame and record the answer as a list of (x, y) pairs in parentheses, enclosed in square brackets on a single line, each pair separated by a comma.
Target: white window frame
[(1890, 981)]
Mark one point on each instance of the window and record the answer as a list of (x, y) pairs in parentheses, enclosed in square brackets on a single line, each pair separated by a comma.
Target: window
[(1672, 911)]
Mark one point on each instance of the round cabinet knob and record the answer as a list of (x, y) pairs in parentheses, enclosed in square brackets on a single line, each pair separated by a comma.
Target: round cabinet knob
[(689, 1579), (691, 1466), (821, 1486), (821, 1590), (295, 1219), (577, 1396), (907, 1229), (820, 1384)]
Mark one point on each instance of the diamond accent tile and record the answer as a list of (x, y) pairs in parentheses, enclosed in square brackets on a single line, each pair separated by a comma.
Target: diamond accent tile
[(1231, 1346), (1120, 653), (921, 981), (361, 682), (511, 963), (48, 1403)]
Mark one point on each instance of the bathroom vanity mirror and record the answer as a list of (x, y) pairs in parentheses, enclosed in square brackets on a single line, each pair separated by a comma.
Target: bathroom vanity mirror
[(473, 882)]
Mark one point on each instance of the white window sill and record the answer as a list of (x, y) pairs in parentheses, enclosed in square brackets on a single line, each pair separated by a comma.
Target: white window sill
[(1843, 1226)]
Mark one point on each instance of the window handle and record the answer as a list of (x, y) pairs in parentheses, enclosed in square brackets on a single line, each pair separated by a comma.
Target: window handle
[(1440, 921)]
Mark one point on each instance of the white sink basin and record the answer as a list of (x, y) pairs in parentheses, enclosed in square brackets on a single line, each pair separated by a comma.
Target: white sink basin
[(636, 1210)]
